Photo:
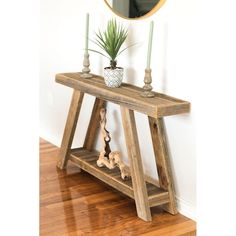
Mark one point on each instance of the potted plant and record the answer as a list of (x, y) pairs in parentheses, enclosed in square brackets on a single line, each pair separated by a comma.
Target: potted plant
[(110, 42)]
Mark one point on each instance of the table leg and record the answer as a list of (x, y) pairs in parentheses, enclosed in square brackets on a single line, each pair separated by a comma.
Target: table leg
[(94, 124), (158, 133), (70, 127), (138, 182)]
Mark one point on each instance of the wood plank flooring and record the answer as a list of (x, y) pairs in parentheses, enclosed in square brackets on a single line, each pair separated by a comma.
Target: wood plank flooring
[(74, 203)]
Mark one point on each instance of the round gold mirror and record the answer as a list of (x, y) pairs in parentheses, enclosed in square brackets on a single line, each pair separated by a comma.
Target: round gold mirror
[(134, 9)]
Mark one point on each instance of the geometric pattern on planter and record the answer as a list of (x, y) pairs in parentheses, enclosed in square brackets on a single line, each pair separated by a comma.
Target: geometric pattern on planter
[(113, 78)]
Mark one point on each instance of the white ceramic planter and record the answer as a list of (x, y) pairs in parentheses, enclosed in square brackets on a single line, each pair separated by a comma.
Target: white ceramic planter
[(113, 77)]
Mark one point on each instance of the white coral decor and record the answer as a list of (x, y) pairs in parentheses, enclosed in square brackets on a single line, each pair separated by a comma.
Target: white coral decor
[(113, 77)]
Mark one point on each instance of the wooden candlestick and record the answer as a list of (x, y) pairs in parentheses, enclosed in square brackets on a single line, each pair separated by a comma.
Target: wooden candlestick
[(147, 87), (86, 71)]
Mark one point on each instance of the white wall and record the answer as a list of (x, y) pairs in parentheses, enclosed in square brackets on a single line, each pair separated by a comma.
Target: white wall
[(62, 41)]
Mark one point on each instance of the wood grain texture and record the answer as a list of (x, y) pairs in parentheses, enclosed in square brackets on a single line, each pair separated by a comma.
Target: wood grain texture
[(87, 161), (74, 203), (70, 127), (136, 167), (158, 134), (127, 95), (94, 124)]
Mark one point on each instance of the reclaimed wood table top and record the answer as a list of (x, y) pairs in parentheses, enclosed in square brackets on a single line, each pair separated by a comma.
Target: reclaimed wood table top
[(127, 95)]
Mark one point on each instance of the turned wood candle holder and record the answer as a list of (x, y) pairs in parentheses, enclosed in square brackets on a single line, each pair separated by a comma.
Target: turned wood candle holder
[(86, 70), (147, 87)]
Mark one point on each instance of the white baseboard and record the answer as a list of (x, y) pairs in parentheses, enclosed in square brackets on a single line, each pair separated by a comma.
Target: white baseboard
[(50, 138), (186, 208)]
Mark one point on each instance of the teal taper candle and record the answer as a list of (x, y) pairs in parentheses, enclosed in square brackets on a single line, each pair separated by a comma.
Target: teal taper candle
[(87, 32), (149, 53)]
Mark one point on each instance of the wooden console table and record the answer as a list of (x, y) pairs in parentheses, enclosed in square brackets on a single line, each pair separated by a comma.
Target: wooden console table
[(145, 194)]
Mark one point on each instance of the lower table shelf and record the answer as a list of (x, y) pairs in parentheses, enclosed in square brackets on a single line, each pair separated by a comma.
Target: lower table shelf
[(86, 160)]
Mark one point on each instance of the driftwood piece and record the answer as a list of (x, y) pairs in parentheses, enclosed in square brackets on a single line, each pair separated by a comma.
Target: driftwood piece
[(107, 157)]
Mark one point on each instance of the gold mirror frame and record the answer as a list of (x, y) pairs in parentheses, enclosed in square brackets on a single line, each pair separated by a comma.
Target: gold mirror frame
[(154, 9)]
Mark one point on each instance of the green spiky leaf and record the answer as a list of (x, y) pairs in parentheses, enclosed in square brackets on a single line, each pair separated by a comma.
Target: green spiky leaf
[(111, 40)]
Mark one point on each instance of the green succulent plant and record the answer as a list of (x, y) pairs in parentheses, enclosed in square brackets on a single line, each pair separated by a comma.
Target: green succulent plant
[(110, 41)]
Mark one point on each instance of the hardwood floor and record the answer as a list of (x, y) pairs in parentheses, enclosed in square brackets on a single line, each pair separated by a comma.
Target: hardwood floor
[(77, 204)]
